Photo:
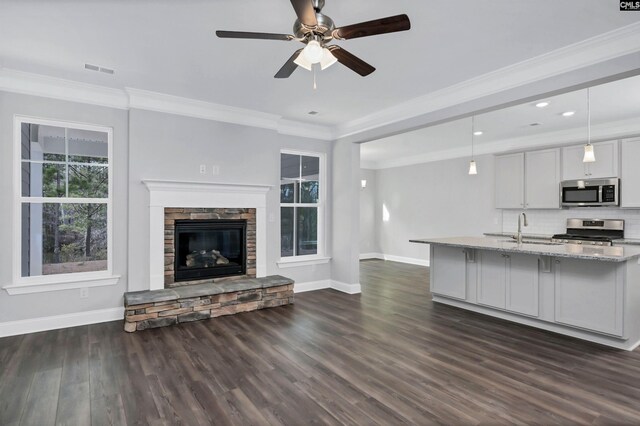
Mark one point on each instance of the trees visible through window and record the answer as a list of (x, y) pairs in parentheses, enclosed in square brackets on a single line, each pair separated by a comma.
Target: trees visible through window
[(64, 199), (300, 203)]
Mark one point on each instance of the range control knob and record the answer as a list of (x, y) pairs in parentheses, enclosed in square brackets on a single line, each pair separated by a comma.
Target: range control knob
[(579, 242), (565, 241)]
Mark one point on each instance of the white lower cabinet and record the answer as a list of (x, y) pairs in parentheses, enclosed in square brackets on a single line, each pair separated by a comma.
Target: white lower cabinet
[(523, 283), (449, 271), (508, 281), (492, 279), (585, 294), (590, 295)]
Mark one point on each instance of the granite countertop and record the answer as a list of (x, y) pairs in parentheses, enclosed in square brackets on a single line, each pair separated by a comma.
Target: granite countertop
[(525, 236), (608, 254), (623, 241)]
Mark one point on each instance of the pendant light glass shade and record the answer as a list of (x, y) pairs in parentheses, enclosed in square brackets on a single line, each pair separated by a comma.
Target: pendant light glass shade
[(589, 155), (473, 169)]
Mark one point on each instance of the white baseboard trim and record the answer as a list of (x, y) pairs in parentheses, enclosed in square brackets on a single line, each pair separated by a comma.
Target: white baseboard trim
[(409, 260), (311, 286), (365, 256), (346, 288), (34, 325)]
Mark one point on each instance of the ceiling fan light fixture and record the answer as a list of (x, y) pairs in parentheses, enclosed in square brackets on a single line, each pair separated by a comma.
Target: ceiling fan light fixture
[(313, 52), (302, 62), (327, 59)]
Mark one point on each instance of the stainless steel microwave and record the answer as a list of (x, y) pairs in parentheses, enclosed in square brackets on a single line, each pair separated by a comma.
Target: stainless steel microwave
[(590, 192)]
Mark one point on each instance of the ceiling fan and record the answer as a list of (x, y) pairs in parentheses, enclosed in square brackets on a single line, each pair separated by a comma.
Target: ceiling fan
[(316, 31)]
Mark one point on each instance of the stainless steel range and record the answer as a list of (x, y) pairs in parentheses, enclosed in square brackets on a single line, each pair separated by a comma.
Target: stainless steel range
[(595, 232)]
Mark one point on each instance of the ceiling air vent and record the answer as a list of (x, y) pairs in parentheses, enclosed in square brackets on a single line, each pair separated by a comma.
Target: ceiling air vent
[(97, 68), (313, 113)]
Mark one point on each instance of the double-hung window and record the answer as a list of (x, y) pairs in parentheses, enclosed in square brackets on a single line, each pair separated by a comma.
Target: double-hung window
[(63, 201), (301, 205)]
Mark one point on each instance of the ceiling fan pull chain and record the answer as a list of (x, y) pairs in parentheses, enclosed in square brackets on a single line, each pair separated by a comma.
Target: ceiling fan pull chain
[(315, 85)]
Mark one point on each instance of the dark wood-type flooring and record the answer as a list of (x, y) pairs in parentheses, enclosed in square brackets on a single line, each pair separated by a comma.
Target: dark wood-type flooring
[(387, 356)]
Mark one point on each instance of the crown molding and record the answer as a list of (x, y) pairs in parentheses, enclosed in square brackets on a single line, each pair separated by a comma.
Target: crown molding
[(160, 102), (57, 88), (617, 43), (607, 131), (131, 98)]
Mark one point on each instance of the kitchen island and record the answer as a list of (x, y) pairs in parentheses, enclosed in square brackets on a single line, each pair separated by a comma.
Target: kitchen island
[(591, 293)]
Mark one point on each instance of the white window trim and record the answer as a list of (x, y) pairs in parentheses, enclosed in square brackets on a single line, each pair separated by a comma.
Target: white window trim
[(320, 257), (44, 283)]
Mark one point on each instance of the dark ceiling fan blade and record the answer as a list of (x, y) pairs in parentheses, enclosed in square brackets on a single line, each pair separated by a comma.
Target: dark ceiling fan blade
[(351, 61), (391, 24), (259, 36), (305, 11), (289, 67)]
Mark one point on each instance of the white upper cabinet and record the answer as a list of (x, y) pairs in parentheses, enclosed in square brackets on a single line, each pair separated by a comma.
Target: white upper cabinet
[(530, 180), (510, 181), (605, 166), (630, 173), (542, 179)]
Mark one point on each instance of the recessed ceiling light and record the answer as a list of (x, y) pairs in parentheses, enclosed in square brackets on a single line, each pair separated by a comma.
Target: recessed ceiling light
[(478, 133), (542, 104), (568, 113), (535, 124)]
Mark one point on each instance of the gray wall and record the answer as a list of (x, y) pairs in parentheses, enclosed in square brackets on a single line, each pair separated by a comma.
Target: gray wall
[(166, 146), (437, 199), (148, 145), (19, 307), (369, 214), (345, 266)]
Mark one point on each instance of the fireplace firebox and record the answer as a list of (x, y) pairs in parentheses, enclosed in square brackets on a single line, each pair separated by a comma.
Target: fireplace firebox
[(209, 249)]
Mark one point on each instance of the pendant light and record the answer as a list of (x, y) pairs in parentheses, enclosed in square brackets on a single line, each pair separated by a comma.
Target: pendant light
[(589, 155), (473, 169)]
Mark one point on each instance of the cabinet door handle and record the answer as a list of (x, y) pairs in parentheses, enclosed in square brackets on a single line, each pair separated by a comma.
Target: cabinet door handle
[(557, 261)]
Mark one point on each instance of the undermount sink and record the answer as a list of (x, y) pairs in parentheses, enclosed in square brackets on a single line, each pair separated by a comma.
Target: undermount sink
[(542, 243)]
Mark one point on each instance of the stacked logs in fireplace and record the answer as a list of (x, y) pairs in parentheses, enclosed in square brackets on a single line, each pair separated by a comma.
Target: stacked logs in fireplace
[(206, 259)]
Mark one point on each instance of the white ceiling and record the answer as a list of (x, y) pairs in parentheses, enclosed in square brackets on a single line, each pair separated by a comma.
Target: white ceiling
[(169, 46), (615, 108)]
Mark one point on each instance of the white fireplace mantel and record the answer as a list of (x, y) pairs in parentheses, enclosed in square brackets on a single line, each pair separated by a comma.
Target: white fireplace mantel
[(185, 194)]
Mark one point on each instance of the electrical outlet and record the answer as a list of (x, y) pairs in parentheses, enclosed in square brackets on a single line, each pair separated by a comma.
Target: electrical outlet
[(84, 293), (215, 169), (203, 169)]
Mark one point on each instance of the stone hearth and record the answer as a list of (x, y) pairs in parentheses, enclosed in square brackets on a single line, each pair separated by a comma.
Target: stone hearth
[(161, 308)]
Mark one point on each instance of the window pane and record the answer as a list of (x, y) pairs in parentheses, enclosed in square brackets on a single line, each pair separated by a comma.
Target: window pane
[(86, 146), (310, 168), (42, 142), (63, 238), (43, 180), (288, 192), (289, 166), (286, 231), (309, 192), (88, 181), (307, 230)]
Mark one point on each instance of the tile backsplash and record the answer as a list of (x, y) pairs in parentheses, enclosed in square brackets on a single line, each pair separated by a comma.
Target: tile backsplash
[(555, 221)]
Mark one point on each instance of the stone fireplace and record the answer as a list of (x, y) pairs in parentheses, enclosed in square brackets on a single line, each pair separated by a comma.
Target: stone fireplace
[(208, 245), (177, 201)]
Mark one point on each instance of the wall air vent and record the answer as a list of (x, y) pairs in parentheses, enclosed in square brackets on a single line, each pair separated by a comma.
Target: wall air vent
[(97, 68)]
